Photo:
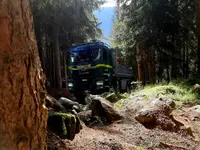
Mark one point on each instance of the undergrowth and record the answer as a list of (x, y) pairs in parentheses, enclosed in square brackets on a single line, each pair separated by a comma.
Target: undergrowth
[(179, 90), (176, 90)]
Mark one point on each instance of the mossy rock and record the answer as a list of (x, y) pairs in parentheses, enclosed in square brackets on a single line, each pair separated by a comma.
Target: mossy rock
[(65, 125)]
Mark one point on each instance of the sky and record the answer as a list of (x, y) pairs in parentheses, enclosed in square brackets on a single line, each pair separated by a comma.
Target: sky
[(105, 16)]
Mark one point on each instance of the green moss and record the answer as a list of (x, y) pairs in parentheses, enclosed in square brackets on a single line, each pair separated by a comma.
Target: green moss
[(70, 119), (179, 104), (140, 148), (122, 102)]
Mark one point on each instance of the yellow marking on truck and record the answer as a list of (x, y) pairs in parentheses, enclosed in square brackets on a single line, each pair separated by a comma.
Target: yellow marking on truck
[(89, 66), (85, 66), (103, 65)]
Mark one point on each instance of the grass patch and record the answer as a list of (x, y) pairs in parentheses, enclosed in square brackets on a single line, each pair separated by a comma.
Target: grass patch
[(175, 90), (122, 101), (120, 104), (179, 90)]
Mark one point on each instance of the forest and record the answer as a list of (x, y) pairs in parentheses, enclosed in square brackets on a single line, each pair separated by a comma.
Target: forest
[(166, 33), (155, 107)]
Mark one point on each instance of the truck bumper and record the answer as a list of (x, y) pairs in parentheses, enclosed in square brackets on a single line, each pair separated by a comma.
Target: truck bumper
[(91, 84)]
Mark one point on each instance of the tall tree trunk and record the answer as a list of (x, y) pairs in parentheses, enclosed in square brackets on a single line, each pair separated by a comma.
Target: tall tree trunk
[(184, 59), (197, 4), (23, 117), (43, 49), (57, 58), (168, 75), (187, 62)]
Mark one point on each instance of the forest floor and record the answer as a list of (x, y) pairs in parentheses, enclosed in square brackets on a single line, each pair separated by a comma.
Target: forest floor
[(129, 134)]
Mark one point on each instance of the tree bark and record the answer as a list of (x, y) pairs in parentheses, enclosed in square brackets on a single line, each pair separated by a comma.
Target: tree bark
[(23, 117)]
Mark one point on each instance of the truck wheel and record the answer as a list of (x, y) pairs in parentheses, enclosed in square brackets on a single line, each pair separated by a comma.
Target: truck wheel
[(128, 87), (119, 90)]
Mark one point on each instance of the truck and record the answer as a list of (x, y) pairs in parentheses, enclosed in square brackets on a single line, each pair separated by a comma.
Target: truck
[(95, 67)]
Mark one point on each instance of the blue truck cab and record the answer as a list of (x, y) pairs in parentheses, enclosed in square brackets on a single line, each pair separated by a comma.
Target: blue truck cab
[(93, 67)]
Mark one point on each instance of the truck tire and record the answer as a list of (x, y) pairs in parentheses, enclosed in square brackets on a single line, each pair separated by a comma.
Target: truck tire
[(119, 86), (128, 87)]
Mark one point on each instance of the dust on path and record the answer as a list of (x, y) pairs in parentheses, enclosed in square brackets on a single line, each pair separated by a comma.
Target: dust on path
[(130, 135)]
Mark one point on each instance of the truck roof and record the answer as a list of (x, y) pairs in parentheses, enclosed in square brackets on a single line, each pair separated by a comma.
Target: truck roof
[(88, 46)]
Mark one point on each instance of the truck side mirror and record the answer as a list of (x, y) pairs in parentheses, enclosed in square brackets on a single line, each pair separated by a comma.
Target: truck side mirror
[(118, 60)]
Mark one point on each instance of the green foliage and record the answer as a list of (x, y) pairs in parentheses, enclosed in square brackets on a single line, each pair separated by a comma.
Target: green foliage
[(120, 104), (73, 17), (179, 90), (122, 100), (165, 27)]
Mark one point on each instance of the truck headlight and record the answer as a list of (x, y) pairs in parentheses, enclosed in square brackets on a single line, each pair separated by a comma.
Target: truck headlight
[(99, 83), (70, 84)]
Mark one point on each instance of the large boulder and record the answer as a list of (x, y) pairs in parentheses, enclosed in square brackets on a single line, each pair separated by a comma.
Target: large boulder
[(196, 88), (157, 113), (65, 125), (145, 116), (104, 109)]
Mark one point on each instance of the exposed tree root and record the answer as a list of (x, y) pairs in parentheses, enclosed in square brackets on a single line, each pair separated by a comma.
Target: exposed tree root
[(172, 146)]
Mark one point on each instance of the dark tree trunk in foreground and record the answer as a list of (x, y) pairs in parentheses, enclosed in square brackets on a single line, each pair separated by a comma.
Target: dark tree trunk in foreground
[(23, 117)]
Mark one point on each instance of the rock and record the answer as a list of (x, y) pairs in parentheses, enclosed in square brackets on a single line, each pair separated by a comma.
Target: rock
[(76, 108), (197, 147), (162, 104), (196, 88), (156, 113), (97, 121), (68, 104), (112, 97), (116, 146), (188, 129), (103, 108), (196, 108), (64, 125), (145, 116), (88, 99), (85, 116), (54, 143), (193, 113), (52, 103)]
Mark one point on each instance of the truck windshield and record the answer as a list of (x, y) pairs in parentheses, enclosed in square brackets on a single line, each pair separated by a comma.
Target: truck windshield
[(85, 56)]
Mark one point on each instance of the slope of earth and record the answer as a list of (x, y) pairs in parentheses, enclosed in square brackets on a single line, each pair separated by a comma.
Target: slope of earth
[(128, 134)]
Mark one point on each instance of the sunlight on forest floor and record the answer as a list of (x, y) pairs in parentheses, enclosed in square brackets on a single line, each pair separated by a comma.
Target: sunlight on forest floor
[(172, 90), (180, 92)]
